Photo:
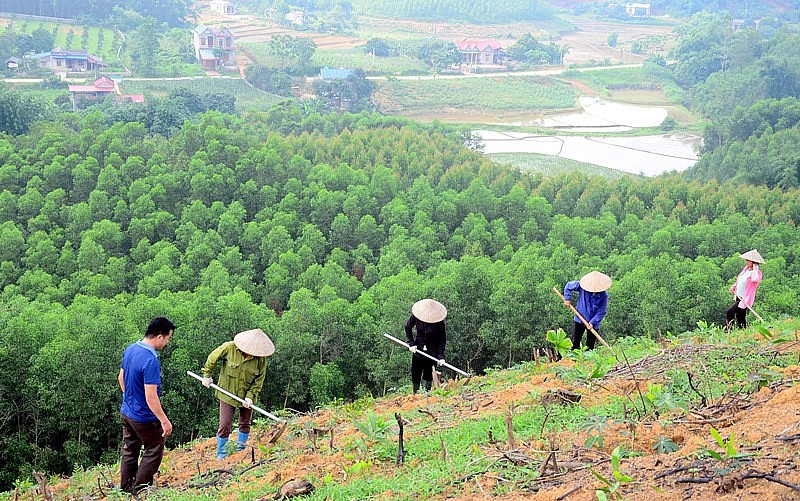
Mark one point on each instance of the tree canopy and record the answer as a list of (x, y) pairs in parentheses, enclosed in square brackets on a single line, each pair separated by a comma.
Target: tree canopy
[(323, 230)]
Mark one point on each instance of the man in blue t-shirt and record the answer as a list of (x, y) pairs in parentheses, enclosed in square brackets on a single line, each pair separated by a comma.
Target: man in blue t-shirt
[(144, 422)]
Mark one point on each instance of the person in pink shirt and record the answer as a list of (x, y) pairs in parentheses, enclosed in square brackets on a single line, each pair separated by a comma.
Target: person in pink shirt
[(744, 289)]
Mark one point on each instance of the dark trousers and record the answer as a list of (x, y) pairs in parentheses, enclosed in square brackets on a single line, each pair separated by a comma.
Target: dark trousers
[(739, 314), (135, 435), (421, 368), (577, 335), (226, 419)]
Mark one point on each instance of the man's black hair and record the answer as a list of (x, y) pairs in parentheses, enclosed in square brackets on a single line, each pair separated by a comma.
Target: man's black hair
[(159, 325)]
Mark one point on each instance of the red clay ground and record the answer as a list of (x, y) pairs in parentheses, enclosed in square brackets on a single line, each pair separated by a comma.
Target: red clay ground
[(765, 424)]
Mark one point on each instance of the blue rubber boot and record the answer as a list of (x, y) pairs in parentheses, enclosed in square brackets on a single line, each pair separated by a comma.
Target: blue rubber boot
[(241, 441), (221, 442)]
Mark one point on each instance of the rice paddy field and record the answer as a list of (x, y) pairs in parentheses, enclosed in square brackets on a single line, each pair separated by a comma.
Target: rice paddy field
[(551, 166)]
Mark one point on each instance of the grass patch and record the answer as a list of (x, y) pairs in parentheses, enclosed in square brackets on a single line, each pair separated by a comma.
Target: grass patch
[(649, 77), (248, 98), (552, 166), (356, 58), (488, 94)]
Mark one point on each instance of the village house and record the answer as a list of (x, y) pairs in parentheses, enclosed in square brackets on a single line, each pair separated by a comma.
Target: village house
[(637, 9), (213, 47), (295, 18), (223, 7), (12, 63), (100, 89), (64, 61), (481, 52)]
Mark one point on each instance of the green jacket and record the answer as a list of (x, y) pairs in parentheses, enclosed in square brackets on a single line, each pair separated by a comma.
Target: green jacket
[(242, 377)]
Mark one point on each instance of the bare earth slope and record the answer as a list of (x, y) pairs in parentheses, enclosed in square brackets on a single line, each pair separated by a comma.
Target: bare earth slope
[(761, 463)]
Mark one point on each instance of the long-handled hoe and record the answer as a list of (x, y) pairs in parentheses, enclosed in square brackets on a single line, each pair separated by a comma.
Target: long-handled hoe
[(603, 342), (256, 408)]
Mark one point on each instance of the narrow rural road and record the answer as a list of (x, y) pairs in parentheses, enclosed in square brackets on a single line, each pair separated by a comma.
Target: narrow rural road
[(547, 72)]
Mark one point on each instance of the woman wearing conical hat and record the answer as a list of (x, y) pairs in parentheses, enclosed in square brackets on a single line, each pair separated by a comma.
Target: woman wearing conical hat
[(592, 305), (744, 289), (427, 316), (242, 369)]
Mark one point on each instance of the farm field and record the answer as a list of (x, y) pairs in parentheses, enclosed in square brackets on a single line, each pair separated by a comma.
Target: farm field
[(589, 42), (649, 84), (400, 29), (356, 58), (248, 98), (586, 39), (473, 100), (99, 41), (547, 165), (649, 155)]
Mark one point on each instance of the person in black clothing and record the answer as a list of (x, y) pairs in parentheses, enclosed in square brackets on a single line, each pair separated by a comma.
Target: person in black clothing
[(427, 315)]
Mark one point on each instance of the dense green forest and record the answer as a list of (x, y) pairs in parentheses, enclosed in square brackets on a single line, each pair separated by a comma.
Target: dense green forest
[(746, 82), (323, 230), (173, 12)]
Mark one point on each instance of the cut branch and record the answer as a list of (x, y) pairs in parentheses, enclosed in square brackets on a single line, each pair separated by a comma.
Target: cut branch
[(512, 444), (771, 478), (401, 453)]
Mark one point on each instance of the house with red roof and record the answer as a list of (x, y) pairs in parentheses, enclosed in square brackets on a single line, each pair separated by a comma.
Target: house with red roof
[(482, 52), (99, 90)]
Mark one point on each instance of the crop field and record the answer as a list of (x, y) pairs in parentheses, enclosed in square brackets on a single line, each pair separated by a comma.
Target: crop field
[(474, 99), (649, 84), (552, 166), (348, 57), (399, 29), (95, 40), (248, 98), (356, 58), (589, 42)]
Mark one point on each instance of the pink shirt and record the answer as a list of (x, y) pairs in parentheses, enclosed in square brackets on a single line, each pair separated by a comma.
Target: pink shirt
[(750, 285)]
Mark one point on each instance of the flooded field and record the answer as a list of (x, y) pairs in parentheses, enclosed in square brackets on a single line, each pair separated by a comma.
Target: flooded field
[(646, 155)]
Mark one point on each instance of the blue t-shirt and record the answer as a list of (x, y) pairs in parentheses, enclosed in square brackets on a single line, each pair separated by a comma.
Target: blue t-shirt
[(140, 366)]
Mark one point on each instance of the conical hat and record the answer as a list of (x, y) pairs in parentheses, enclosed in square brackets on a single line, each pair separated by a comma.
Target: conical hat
[(429, 310), (254, 342), (753, 256), (595, 282)]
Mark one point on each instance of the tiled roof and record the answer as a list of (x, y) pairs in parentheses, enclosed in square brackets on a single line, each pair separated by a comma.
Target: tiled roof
[(478, 45)]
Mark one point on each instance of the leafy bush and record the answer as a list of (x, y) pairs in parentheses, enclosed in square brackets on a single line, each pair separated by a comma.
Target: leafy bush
[(326, 383)]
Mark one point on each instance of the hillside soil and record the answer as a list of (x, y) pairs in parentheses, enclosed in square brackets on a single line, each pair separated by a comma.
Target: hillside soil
[(763, 428)]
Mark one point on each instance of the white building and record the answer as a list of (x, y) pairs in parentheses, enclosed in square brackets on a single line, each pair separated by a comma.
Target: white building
[(638, 9)]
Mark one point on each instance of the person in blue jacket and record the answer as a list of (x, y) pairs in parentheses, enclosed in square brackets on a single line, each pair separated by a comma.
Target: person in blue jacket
[(592, 305)]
